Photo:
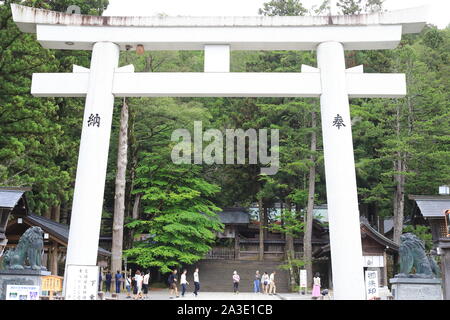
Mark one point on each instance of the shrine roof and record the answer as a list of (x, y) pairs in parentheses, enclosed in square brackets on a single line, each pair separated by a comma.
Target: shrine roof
[(366, 230), (10, 196), (411, 19), (378, 237), (234, 216), (432, 206), (58, 230)]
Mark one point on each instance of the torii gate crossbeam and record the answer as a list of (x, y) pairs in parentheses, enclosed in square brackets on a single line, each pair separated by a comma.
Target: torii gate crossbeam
[(330, 36)]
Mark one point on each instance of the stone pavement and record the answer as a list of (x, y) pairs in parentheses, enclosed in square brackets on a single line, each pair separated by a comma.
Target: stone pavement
[(163, 294)]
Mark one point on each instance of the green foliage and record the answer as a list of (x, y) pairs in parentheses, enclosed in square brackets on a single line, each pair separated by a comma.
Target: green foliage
[(292, 223), (38, 136), (178, 214), (359, 6), (414, 129), (423, 233), (283, 8)]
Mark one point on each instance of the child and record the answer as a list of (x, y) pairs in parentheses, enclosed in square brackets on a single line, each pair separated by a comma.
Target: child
[(316, 286)]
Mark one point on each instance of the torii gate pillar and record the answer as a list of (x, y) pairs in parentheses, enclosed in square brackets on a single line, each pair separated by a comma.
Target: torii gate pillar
[(342, 196), (93, 157)]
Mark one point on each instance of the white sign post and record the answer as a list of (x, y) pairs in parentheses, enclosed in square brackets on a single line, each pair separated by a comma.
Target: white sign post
[(303, 280), (371, 284), (81, 282), (331, 82)]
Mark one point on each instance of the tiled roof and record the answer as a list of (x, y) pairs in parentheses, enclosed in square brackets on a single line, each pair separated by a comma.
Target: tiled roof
[(234, 216), (58, 230), (10, 197), (371, 232), (432, 206)]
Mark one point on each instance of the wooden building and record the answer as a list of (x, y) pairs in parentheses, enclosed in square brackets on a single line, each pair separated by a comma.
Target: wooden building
[(241, 237), (429, 210), (55, 234), (379, 253)]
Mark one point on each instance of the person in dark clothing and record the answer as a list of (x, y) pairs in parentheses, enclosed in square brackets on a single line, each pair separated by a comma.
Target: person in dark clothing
[(134, 286), (100, 280), (173, 284), (108, 279), (118, 278)]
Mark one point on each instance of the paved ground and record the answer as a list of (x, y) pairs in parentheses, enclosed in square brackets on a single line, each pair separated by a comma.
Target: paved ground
[(163, 294)]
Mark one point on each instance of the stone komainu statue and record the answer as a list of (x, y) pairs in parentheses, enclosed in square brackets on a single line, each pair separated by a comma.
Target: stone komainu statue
[(412, 254), (29, 248)]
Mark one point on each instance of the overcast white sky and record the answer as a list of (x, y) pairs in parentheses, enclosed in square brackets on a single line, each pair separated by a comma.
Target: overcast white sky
[(439, 9)]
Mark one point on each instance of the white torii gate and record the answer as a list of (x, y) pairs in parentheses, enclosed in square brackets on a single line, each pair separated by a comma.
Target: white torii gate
[(330, 81)]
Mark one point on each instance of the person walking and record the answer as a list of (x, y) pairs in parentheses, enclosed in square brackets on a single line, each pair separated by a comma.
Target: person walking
[(316, 286), (257, 282), (196, 282), (108, 279), (134, 286), (128, 286), (145, 282), (118, 278), (265, 282), (236, 280), (139, 279), (173, 290), (272, 284), (100, 280), (183, 282)]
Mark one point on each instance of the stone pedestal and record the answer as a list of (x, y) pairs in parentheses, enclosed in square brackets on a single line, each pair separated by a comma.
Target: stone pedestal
[(20, 277), (444, 247), (416, 289)]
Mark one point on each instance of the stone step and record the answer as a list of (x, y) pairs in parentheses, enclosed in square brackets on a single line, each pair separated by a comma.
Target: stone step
[(216, 275)]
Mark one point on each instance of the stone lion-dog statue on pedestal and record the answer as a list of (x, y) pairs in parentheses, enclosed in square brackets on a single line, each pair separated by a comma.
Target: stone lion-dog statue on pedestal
[(29, 249), (412, 255)]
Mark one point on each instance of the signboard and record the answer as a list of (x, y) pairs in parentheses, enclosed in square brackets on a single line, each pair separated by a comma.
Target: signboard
[(371, 284), (303, 279), (373, 261), (81, 282), (22, 292), (51, 283)]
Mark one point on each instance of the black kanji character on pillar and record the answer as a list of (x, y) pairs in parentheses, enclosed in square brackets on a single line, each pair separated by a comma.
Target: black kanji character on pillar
[(94, 120), (338, 121)]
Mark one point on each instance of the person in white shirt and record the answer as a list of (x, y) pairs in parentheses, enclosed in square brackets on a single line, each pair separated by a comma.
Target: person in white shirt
[(183, 282), (196, 282), (145, 282), (236, 280), (272, 286), (128, 286)]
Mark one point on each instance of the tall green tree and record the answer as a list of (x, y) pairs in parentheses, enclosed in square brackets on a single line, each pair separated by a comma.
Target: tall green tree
[(178, 216), (283, 8)]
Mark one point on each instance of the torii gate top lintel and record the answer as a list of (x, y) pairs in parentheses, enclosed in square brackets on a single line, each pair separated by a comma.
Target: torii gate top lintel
[(57, 30)]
